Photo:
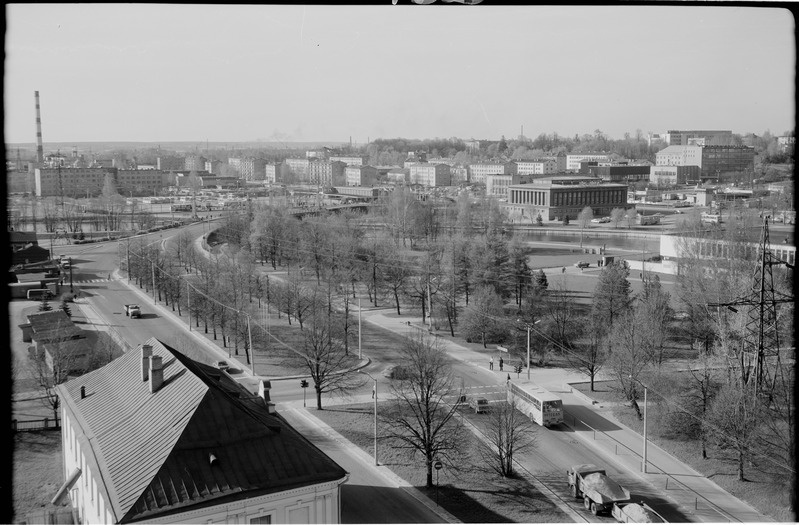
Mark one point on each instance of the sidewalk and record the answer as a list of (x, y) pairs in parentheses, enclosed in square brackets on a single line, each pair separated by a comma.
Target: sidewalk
[(697, 496)]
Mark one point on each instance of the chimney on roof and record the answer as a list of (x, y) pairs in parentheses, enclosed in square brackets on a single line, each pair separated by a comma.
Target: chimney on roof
[(156, 373), (82, 392), (146, 352), (263, 393)]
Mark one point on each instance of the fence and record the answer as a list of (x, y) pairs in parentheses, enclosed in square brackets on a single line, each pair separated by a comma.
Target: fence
[(576, 423), (34, 425)]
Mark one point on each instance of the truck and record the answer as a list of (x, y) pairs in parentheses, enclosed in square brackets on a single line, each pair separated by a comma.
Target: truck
[(635, 513), (133, 311), (598, 492)]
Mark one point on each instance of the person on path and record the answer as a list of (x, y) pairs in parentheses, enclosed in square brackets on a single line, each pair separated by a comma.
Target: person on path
[(563, 270), (491, 363), (501, 362)]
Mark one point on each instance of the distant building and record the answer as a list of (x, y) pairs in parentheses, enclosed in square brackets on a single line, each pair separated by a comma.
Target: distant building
[(620, 173), (252, 169), (573, 160), (141, 182), (674, 175), (272, 172), (479, 171), (713, 161), (460, 175), (554, 198), (19, 181), (351, 160), (299, 168), (326, 172), (155, 436), (71, 182), (431, 175), (497, 185), (361, 175), (537, 167), (398, 176), (167, 163), (194, 163), (707, 137)]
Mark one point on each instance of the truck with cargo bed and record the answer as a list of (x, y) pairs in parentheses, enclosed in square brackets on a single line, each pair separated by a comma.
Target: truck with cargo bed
[(598, 492), (133, 311), (635, 513)]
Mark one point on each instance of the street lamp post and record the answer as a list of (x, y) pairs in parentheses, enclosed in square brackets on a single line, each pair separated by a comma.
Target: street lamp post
[(529, 327), (374, 396), (643, 463)]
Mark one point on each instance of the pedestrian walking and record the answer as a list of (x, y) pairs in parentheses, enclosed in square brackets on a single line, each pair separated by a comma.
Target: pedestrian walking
[(563, 270), (373, 391), (508, 378), (501, 362), (491, 363)]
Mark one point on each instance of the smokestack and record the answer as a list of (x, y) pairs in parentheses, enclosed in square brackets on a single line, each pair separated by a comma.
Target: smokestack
[(156, 373), (146, 352), (39, 148)]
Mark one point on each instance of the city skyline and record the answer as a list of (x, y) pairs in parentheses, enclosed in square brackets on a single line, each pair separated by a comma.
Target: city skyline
[(313, 73)]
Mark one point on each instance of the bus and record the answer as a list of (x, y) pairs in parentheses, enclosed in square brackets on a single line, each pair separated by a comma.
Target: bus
[(541, 405), (181, 207)]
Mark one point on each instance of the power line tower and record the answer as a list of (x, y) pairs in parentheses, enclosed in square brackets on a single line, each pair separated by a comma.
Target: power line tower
[(760, 357)]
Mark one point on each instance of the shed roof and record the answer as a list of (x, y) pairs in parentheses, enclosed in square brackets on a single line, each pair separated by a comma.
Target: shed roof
[(51, 326), (153, 449)]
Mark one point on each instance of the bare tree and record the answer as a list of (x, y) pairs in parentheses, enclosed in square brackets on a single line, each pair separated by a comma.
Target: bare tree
[(421, 418), (734, 422), (584, 219), (508, 432), (326, 359), (587, 355)]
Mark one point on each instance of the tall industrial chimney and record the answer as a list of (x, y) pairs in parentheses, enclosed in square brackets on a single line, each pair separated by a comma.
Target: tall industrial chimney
[(39, 148)]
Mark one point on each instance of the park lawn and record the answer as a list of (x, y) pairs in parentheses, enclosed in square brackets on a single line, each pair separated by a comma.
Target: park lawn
[(473, 494), (770, 498)]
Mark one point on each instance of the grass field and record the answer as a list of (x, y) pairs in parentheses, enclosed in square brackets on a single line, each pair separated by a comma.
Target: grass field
[(771, 499), (473, 493), (37, 473)]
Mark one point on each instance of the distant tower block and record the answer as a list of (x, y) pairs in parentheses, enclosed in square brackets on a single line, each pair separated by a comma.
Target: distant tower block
[(39, 148)]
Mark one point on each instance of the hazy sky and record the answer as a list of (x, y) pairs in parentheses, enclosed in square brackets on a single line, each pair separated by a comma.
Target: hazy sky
[(160, 72)]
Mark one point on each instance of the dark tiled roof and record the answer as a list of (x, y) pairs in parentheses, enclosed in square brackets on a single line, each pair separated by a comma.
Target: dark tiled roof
[(153, 448), (54, 325), (16, 237)]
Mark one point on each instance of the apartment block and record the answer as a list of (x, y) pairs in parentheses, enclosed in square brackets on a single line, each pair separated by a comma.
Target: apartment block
[(361, 175), (428, 174), (479, 171)]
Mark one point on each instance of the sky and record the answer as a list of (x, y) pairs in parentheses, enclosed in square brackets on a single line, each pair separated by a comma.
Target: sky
[(180, 72)]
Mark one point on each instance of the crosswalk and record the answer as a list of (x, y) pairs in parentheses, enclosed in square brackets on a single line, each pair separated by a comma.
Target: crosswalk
[(86, 281)]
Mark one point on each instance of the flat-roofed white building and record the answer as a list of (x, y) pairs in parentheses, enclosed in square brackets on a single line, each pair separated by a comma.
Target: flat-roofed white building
[(360, 175), (479, 170), (428, 174), (573, 160), (536, 167)]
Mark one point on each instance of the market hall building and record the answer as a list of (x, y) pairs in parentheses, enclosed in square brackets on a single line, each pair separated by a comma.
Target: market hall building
[(554, 198)]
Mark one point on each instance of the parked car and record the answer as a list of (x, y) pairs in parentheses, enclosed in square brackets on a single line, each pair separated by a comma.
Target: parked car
[(582, 264), (478, 404)]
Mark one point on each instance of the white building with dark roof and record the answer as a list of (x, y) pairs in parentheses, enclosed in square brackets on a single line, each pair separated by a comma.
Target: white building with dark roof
[(155, 436)]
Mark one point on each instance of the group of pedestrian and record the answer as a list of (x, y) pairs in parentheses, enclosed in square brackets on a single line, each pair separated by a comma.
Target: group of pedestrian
[(491, 363)]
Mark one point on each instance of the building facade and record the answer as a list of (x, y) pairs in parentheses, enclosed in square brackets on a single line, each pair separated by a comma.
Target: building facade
[(360, 175), (299, 168), (194, 163), (351, 160), (706, 137), (479, 170), (252, 168), (156, 437), (398, 176), (536, 167), (272, 173), (673, 175), (497, 185), (433, 175), (554, 198), (71, 182), (326, 172), (620, 173), (573, 160)]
